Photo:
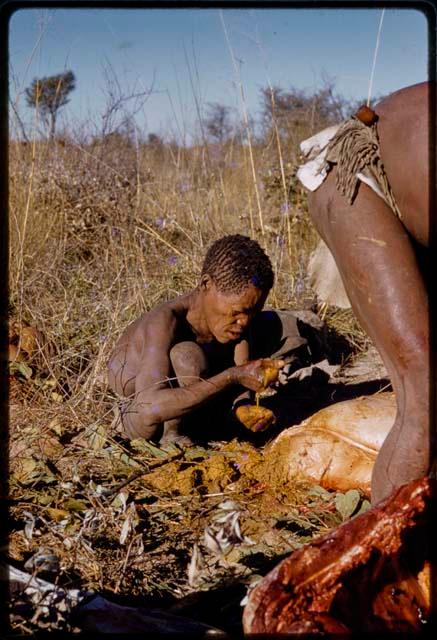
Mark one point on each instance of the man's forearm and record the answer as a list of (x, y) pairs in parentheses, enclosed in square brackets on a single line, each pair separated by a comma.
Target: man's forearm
[(150, 408)]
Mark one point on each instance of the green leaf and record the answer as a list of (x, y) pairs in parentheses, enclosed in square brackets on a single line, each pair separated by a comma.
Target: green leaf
[(346, 503), (127, 460), (23, 369), (44, 498), (117, 454), (118, 502), (71, 504), (148, 447), (364, 506), (320, 492), (57, 514), (25, 469)]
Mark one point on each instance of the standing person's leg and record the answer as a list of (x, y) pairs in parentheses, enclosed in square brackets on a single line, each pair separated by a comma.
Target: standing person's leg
[(387, 291)]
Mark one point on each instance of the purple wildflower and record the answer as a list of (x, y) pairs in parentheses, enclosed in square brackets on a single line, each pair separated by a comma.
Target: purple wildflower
[(172, 260), (184, 186), (299, 287)]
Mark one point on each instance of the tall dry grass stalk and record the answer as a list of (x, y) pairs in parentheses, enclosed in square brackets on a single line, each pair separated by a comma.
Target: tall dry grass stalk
[(248, 131)]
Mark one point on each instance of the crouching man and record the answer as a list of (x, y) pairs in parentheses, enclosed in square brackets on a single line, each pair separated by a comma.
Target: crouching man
[(194, 356)]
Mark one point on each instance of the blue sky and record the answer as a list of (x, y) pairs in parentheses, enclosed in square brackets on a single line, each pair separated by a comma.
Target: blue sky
[(184, 56)]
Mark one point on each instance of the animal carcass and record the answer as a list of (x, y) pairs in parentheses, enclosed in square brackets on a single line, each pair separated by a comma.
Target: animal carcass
[(336, 447), (371, 573)]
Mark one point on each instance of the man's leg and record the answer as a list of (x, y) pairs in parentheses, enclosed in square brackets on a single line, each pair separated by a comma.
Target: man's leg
[(189, 364), (382, 278), (121, 377)]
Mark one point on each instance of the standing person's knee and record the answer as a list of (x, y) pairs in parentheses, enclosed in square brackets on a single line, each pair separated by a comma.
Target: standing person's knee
[(188, 362)]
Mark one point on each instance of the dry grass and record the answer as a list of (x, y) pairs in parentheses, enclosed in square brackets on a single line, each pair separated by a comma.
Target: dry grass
[(100, 234)]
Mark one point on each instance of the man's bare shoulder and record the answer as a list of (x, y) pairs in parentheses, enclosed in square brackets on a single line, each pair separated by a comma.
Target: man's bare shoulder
[(162, 322)]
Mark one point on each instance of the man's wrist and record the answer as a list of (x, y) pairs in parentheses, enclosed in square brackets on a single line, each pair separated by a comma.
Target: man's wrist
[(231, 376)]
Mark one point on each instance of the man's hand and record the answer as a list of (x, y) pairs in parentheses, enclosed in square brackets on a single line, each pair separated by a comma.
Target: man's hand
[(257, 374), (254, 417)]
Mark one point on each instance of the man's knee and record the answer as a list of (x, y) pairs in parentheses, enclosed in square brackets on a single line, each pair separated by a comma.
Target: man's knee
[(188, 359), (121, 382)]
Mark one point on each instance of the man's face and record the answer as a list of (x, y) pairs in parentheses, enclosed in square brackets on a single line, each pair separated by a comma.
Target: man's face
[(228, 314)]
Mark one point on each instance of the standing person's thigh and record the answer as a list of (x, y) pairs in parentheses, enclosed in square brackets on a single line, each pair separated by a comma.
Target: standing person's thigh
[(379, 268)]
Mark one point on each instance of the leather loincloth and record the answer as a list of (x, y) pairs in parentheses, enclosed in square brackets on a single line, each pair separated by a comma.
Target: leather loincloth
[(354, 150), (353, 147)]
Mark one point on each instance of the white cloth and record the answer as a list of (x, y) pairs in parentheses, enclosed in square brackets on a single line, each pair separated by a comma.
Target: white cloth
[(313, 173), (325, 278), (323, 273)]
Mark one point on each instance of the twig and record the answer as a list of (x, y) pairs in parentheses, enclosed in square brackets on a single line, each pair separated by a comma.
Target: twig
[(134, 476), (151, 231), (117, 586)]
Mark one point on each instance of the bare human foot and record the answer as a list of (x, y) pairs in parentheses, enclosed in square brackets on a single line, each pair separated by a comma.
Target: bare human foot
[(171, 435), (175, 438)]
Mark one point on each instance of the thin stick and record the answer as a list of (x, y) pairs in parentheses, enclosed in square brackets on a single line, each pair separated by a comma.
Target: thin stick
[(110, 492), (374, 57), (151, 231), (134, 539), (279, 147)]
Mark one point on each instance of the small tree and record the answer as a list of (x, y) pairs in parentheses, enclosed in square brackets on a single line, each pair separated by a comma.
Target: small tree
[(218, 122), (48, 95), (296, 113), (153, 140)]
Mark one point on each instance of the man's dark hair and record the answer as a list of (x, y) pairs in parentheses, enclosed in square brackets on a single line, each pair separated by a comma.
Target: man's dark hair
[(234, 262)]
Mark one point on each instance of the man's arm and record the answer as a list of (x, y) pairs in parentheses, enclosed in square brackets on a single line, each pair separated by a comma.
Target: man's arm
[(154, 402)]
